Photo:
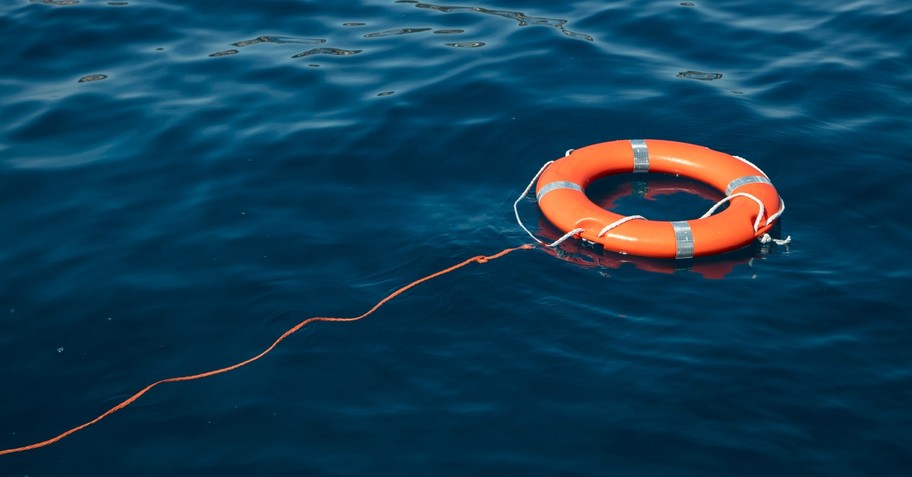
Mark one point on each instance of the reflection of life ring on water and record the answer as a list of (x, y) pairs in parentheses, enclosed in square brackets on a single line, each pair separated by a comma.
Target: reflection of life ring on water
[(588, 256), (610, 192), (754, 203)]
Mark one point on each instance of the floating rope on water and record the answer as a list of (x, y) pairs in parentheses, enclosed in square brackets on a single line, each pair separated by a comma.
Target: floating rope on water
[(291, 331), (567, 236)]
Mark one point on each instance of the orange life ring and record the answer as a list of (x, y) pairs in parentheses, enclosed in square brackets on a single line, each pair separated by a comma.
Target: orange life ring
[(753, 210)]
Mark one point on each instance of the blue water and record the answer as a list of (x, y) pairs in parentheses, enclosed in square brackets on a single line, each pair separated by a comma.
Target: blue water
[(181, 182)]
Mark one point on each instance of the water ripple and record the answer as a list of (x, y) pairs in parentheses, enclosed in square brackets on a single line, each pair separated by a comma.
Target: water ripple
[(92, 77), (521, 18), (224, 53), (280, 40), (466, 44), (699, 75), (395, 32), (327, 51), (59, 3)]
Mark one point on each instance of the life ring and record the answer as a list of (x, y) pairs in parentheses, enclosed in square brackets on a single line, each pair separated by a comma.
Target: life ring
[(754, 206)]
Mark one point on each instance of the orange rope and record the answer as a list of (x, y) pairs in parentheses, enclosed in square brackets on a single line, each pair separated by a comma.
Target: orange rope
[(291, 331)]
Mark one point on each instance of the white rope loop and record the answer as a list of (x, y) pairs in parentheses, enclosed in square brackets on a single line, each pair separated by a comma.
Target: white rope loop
[(524, 194), (767, 238), (563, 239), (622, 220), (775, 216), (740, 194)]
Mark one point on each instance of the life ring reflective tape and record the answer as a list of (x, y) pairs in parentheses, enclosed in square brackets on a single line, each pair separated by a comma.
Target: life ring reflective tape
[(754, 204)]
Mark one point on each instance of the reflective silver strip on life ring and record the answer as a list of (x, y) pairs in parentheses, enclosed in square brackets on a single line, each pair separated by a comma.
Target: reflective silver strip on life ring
[(684, 241), (640, 155), (557, 185), (743, 181)]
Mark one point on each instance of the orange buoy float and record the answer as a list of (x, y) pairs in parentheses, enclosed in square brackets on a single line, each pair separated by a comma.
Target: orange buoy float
[(754, 207)]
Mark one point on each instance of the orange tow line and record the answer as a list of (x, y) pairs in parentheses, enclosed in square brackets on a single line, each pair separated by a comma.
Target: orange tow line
[(291, 331)]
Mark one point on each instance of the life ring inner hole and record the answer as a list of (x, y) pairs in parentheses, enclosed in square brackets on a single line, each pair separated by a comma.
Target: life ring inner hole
[(655, 196)]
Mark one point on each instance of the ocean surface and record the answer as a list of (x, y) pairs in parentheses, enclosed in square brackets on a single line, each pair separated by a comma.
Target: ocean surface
[(183, 181)]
